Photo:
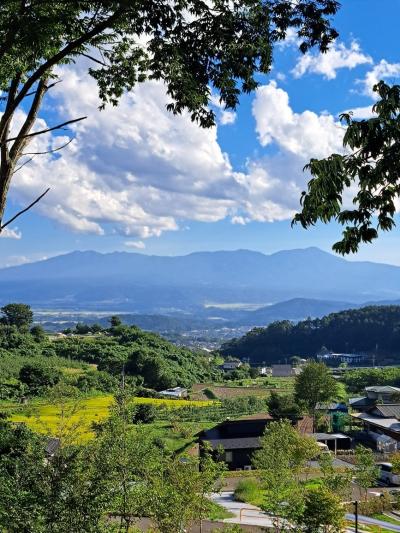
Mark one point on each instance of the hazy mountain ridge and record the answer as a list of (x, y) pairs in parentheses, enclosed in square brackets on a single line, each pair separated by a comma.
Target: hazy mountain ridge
[(298, 282)]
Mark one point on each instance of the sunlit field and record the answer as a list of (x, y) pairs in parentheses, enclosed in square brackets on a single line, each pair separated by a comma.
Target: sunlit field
[(74, 419)]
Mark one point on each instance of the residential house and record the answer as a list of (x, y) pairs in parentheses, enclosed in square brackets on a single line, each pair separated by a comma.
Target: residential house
[(236, 440), (378, 413), (282, 371), (175, 392), (381, 425), (231, 365), (373, 395)]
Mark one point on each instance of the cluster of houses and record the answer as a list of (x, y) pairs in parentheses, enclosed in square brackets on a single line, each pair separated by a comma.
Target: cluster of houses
[(373, 419)]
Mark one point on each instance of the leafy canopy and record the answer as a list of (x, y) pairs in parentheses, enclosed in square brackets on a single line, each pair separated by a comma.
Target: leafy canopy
[(314, 384), (370, 165), (193, 46), (19, 315)]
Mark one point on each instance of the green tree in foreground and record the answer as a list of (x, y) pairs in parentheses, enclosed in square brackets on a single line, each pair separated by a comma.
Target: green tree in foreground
[(191, 46), (18, 315), (322, 509), (335, 481), (283, 455), (371, 168), (313, 385), (366, 472)]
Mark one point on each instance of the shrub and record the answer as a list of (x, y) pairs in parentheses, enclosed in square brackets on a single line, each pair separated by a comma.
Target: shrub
[(144, 413), (39, 377), (248, 490)]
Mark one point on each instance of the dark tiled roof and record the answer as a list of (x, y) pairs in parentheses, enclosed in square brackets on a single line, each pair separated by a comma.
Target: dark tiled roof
[(388, 410), (241, 443), (361, 402)]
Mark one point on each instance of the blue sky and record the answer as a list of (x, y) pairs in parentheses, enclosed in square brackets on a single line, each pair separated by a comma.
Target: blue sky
[(137, 179)]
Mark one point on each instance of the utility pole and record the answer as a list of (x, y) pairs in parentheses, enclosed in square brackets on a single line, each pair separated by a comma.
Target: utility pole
[(355, 503), (123, 377)]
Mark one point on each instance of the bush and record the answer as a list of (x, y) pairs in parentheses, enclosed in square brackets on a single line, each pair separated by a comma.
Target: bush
[(97, 380), (144, 413), (248, 490), (38, 377)]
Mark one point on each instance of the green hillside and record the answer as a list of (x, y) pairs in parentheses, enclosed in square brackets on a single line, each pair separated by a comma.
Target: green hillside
[(369, 329)]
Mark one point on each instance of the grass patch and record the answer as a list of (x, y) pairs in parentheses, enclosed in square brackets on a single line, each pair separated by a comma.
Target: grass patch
[(384, 518), (217, 512), (249, 491)]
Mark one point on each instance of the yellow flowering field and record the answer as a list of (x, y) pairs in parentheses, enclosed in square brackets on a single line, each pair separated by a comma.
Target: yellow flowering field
[(77, 417)]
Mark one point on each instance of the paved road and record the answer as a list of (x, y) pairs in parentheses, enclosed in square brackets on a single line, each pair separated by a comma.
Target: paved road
[(245, 513), (373, 522)]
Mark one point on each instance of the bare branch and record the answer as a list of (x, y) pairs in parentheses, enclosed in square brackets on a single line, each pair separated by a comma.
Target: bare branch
[(24, 210), (52, 150), (47, 87), (35, 133), (94, 59), (22, 165)]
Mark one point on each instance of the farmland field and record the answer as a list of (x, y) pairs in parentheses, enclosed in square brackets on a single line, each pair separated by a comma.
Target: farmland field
[(260, 387), (76, 417)]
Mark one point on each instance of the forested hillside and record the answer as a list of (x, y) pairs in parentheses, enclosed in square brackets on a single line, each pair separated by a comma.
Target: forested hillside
[(369, 329), (31, 361)]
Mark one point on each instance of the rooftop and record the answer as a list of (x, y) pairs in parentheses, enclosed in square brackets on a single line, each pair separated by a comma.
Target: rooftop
[(382, 389), (328, 436), (386, 423), (240, 443), (391, 410)]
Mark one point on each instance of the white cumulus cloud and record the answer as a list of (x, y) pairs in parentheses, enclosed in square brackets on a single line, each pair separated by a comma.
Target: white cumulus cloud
[(337, 57), (139, 171), (381, 71)]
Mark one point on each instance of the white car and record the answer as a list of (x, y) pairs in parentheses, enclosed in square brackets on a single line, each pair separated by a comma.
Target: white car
[(386, 474)]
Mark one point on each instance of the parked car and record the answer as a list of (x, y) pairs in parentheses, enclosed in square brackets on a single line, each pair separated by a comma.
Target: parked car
[(386, 474)]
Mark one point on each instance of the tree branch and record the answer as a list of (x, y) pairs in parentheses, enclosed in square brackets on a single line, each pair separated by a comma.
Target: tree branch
[(47, 87), (94, 59), (24, 210), (52, 150), (22, 165), (22, 138), (69, 48), (35, 133)]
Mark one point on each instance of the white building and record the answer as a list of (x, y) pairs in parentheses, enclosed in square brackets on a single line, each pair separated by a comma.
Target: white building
[(175, 392), (349, 358), (231, 365)]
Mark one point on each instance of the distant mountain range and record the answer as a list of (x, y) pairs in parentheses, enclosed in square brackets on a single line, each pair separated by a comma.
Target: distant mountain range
[(289, 284)]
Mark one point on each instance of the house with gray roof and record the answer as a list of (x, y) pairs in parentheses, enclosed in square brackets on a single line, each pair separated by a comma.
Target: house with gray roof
[(379, 414)]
